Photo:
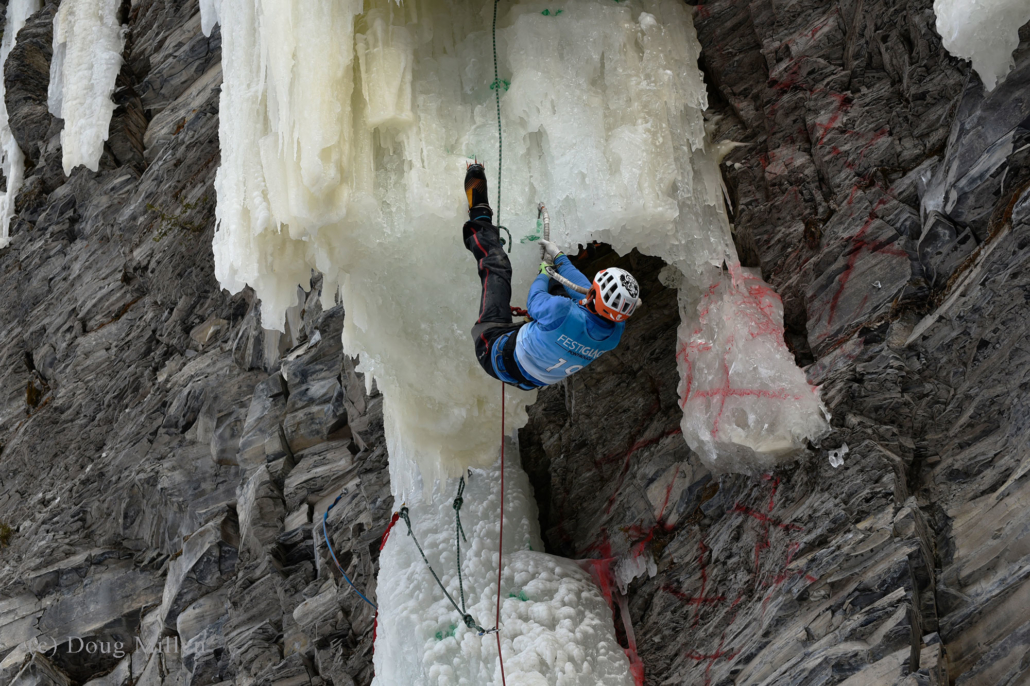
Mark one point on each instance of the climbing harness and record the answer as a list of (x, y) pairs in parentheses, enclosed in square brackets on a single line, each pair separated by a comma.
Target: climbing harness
[(325, 534), (541, 213)]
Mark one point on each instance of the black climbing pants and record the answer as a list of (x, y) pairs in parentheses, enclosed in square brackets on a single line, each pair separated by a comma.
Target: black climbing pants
[(483, 240)]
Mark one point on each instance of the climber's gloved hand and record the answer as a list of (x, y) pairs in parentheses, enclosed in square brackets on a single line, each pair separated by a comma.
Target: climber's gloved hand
[(549, 251), (543, 267)]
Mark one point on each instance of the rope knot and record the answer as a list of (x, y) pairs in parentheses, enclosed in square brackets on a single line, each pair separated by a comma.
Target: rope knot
[(469, 622), (458, 502)]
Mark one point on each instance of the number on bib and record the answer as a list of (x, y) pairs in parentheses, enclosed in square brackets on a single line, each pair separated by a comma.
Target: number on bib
[(561, 361)]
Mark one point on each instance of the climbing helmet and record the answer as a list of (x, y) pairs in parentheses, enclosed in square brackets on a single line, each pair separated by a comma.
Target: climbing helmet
[(614, 293)]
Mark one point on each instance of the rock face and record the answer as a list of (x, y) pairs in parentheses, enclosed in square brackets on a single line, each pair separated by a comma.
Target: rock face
[(166, 463)]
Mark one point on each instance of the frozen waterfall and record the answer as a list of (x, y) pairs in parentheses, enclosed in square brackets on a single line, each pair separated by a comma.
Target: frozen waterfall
[(13, 159), (345, 129)]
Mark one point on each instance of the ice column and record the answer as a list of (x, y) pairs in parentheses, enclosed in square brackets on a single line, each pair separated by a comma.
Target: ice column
[(557, 629), (985, 32), (18, 11), (87, 57)]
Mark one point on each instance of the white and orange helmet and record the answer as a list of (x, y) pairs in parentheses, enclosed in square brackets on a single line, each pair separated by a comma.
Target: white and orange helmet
[(615, 294)]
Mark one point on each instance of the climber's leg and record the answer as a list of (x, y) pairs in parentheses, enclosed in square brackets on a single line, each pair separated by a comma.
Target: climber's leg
[(482, 239)]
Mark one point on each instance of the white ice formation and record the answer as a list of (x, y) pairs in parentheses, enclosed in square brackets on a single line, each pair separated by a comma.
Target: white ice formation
[(557, 629), (345, 129), (88, 45), (13, 159), (210, 11), (986, 32), (745, 406)]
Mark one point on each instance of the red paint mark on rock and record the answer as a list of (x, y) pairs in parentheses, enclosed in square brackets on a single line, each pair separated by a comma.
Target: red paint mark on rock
[(700, 599), (764, 518), (668, 494), (636, 447), (710, 658)]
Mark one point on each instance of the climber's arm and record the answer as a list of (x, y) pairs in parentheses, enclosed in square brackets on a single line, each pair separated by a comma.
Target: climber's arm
[(565, 268), (548, 311)]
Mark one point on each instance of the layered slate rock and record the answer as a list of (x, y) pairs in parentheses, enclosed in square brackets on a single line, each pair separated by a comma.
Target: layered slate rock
[(167, 465), (26, 79)]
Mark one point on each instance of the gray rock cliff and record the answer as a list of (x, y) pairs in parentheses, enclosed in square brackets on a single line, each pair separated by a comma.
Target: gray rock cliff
[(166, 463)]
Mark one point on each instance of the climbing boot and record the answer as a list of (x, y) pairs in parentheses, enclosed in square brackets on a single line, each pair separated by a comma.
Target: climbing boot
[(475, 190)]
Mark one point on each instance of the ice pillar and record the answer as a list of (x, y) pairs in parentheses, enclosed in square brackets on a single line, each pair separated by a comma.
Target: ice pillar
[(557, 629)]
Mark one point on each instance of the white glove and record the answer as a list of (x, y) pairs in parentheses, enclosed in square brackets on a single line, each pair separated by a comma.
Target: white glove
[(549, 251)]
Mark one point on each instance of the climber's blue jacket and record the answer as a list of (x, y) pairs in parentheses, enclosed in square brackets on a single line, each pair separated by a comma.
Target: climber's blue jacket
[(564, 336)]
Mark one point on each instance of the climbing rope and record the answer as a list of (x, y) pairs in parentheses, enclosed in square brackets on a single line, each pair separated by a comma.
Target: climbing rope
[(325, 534), (497, 98), (459, 534), (500, 536), (468, 619), (496, 87), (510, 243), (500, 158)]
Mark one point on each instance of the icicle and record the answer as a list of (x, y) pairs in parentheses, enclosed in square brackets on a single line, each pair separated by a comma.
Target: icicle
[(210, 11), (87, 57), (18, 11)]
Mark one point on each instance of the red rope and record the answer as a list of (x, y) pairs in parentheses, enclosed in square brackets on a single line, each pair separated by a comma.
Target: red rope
[(393, 520), (375, 621), (500, 545)]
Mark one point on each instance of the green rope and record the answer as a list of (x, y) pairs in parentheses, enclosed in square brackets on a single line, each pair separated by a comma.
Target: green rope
[(459, 533), (469, 621), (497, 98)]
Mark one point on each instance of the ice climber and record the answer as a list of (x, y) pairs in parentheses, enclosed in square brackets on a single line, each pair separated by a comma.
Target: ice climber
[(565, 334)]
